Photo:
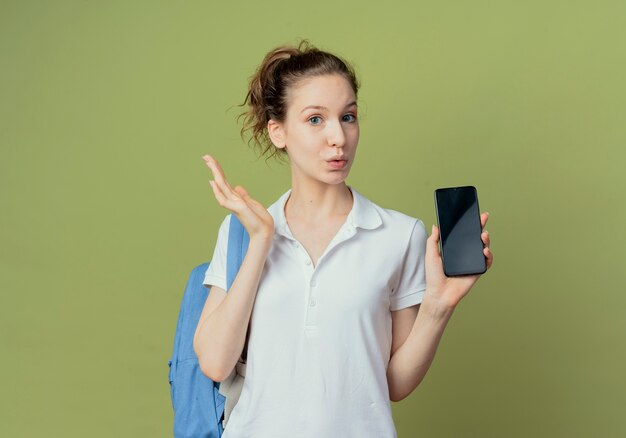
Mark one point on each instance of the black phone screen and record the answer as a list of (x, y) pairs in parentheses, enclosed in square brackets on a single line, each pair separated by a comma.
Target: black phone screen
[(458, 216)]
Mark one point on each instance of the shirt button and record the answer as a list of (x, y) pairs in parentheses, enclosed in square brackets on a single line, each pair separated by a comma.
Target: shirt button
[(313, 283), (313, 303), (308, 262)]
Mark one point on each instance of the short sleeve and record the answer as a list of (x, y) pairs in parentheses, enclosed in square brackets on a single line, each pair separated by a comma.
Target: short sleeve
[(412, 282), (215, 274)]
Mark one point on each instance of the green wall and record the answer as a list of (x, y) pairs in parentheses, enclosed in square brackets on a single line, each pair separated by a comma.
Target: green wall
[(105, 206)]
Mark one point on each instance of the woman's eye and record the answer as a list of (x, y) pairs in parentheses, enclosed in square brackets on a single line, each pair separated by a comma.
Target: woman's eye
[(315, 120), (349, 118)]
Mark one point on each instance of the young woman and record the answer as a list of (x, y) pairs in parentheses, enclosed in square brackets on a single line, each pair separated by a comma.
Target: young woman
[(346, 300)]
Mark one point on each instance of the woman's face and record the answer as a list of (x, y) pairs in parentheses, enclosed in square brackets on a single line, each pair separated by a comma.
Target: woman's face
[(320, 127)]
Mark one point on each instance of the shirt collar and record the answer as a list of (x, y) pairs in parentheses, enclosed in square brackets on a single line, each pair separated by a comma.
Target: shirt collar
[(362, 215)]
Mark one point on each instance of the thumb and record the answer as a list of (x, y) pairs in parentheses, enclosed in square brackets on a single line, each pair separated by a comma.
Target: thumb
[(252, 203), (432, 244), (242, 192), (245, 195)]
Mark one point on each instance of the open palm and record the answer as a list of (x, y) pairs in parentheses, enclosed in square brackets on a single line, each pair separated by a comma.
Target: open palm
[(252, 214)]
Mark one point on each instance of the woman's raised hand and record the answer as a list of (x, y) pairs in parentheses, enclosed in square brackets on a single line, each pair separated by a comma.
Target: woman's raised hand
[(448, 291), (253, 216)]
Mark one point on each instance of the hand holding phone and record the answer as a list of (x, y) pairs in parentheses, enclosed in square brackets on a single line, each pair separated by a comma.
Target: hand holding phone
[(458, 217)]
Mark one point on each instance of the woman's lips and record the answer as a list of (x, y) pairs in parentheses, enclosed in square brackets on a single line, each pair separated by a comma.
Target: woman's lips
[(338, 164)]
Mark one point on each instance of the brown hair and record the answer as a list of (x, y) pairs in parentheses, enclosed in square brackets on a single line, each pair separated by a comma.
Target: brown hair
[(281, 68)]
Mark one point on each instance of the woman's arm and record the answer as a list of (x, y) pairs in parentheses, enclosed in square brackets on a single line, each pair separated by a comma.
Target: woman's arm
[(221, 331), (417, 330)]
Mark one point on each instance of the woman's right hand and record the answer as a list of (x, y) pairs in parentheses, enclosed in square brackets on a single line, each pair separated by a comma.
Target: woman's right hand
[(255, 218)]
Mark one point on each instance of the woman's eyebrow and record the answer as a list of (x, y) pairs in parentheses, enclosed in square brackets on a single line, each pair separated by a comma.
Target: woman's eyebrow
[(318, 107)]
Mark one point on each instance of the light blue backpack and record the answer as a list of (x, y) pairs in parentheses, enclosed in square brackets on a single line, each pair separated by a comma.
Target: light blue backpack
[(197, 402)]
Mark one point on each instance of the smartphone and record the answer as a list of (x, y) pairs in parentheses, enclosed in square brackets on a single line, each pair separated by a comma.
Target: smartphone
[(460, 244)]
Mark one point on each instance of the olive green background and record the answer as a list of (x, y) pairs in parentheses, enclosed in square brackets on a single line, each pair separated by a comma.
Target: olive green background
[(105, 207)]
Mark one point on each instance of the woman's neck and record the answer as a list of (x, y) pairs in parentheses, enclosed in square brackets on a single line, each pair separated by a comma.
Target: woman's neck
[(314, 204)]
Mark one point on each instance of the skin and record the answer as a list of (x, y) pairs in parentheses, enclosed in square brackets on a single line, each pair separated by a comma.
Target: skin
[(312, 136)]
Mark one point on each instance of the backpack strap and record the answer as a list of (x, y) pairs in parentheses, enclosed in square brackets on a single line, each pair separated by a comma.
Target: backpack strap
[(238, 241)]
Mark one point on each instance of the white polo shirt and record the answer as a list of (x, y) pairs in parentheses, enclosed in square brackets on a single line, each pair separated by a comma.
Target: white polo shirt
[(320, 338)]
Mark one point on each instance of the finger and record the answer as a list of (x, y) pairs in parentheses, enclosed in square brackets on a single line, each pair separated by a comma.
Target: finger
[(485, 238), (432, 243), (488, 255), (435, 233), (235, 203), (243, 194), (221, 199), (229, 191), (483, 219), (220, 179), (256, 206), (241, 191), (218, 173), (230, 187)]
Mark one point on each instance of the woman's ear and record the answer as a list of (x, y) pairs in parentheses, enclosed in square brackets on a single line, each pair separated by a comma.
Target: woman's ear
[(276, 133)]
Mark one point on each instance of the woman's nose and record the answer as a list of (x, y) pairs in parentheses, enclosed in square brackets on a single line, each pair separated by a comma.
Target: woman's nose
[(336, 136)]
